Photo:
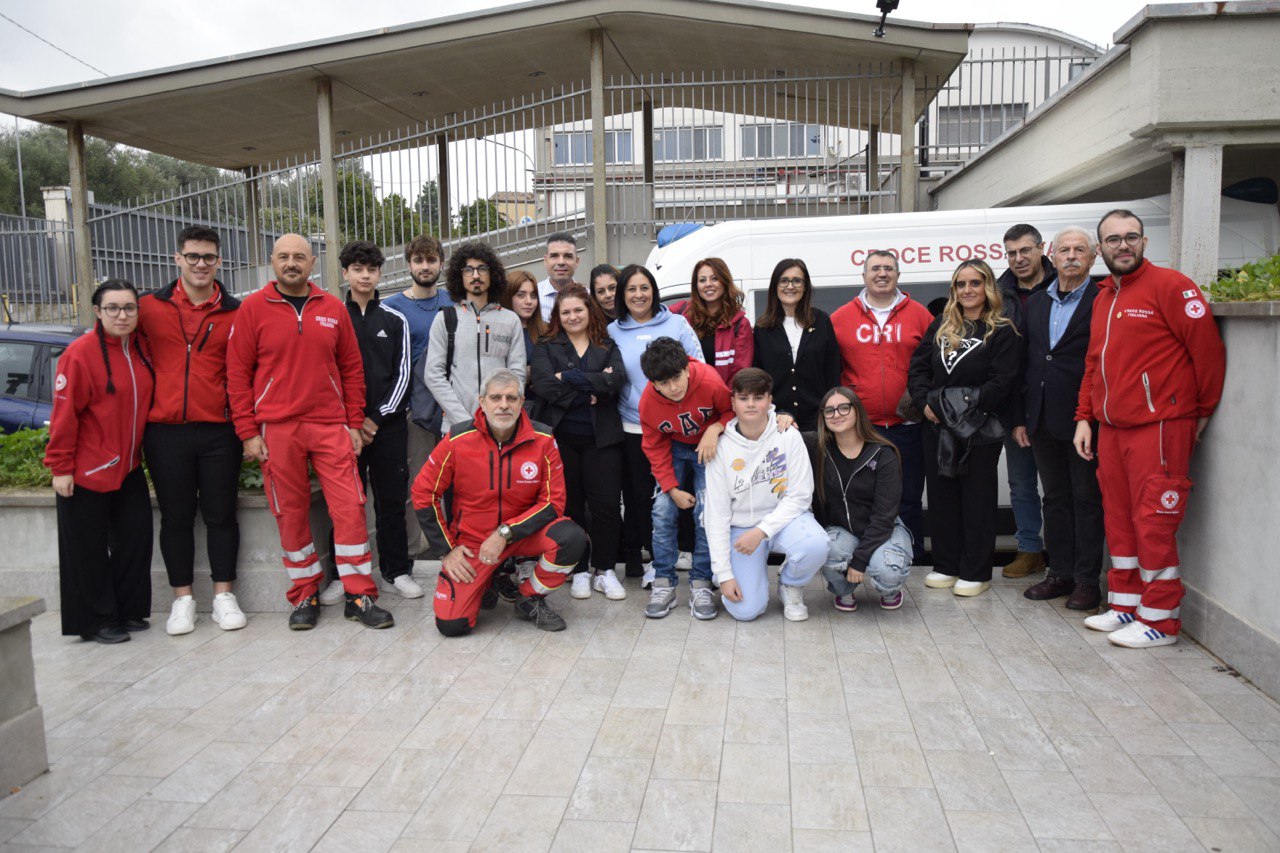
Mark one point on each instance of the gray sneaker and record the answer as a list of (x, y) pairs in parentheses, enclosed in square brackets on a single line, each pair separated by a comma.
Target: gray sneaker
[(662, 600), (702, 603), (538, 611)]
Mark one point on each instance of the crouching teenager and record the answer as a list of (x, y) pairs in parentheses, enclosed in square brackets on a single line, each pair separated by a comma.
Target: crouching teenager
[(858, 489), (759, 486)]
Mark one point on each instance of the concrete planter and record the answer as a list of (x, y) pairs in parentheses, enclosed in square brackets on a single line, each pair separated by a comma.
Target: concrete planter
[(29, 552), (1229, 541), (23, 752)]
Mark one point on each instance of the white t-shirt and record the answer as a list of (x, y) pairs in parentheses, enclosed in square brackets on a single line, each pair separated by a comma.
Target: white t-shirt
[(794, 331), (881, 314)]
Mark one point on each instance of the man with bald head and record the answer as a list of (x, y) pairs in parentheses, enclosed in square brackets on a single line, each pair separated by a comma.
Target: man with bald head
[(295, 382)]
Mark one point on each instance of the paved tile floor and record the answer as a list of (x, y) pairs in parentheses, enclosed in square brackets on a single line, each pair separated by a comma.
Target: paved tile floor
[(985, 724)]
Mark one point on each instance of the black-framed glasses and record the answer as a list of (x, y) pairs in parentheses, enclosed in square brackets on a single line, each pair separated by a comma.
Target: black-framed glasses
[(116, 310), (837, 411), (1133, 238), (790, 284), (193, 258), (475, 271)]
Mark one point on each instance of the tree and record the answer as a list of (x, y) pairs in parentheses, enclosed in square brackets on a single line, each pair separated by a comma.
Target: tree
[(478, 217), (428, 206)]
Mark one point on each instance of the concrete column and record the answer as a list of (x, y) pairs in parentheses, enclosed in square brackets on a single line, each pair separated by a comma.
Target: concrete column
[(328, 184), (599, 204), (253, 217), (909, 171), (1200, 212), (1177, 177), (83, 283), (442, 184)]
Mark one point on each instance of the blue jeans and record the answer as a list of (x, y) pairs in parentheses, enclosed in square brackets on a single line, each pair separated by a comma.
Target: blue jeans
[(887, 569), (910, 443), (684, 458), (801, 541), (1024, 495)]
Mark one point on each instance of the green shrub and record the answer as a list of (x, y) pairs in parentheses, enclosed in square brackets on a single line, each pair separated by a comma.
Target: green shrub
[(1255, 282), (21, 459)]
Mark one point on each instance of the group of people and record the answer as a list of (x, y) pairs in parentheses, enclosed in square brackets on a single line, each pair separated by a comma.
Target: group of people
[(552, 431)]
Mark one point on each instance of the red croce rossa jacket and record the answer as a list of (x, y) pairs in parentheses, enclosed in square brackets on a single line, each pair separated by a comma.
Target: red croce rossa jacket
[(520, 483), (874, 361), (284, 364), (96, 436), (1155, 353), (191, 369)]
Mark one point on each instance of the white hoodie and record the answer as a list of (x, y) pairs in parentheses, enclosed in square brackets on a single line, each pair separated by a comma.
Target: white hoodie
[(764, 483)]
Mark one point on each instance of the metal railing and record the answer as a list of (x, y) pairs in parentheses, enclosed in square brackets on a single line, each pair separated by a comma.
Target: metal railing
[(36, 259)]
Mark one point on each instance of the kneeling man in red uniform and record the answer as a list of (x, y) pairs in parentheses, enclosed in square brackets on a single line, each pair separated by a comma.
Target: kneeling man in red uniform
[(1152, 378), (508, 501)]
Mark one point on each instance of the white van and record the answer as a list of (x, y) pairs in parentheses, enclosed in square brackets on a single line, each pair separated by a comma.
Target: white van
[(928, 245)]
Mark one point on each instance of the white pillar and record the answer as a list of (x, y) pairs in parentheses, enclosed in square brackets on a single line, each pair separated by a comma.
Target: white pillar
[(908, 171), (83, 282), (1178, 173), (328, 184), (599, 203), (1200, 212)]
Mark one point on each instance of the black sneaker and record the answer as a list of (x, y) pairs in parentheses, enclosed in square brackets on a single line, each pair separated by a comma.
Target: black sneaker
[(361, 608), (506, 587), (108, 635), (536, 609), (132, 625), (305, 613)]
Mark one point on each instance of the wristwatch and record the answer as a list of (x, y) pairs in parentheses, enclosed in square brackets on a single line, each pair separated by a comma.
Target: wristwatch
[(504, 530)]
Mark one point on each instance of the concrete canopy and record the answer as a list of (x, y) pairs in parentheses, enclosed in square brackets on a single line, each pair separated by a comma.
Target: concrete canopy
[(263, 105)]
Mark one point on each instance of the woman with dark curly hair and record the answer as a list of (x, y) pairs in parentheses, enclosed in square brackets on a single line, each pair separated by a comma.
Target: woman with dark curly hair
[(473, 337), (714, 310)]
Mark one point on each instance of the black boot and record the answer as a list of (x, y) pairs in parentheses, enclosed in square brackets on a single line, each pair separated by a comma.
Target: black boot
[(108, 635), (361, 608), (305, 613)]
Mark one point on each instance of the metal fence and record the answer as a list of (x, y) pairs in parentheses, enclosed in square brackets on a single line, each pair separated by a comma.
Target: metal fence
[(36, 259)]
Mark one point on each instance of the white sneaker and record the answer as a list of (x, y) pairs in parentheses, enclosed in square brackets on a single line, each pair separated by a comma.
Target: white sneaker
[(1139, 635), (1108, 620), (937, 580), (581, 587), (333, 594), (646, 582), (608, 583), (227, 614), (407, 586), (793, 603), (970, 588), (182, 618), (684, 562)]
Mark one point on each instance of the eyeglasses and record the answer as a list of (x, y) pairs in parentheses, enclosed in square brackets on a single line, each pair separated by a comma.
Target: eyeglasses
[(790, 284), (1133, 238), (1024, 252), (194, 259), (475, 271), (837, 411), (117, 310)]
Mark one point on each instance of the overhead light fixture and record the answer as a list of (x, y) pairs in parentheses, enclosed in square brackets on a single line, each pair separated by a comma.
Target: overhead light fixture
[(885, 7), (537, 74), (421, 93), (249, 148)]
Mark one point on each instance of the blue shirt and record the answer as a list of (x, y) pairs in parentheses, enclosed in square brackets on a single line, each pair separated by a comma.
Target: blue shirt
[(1062, 307), (420, 313)]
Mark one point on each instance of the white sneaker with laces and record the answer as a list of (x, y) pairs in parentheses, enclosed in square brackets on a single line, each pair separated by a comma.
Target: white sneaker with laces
[(684, 562), (646, 582), (1139, 635), (406, 586), (581, 587), (793, 607), (1108, 621), (608, 583), (333, 593), (227, 614), (182, 618)]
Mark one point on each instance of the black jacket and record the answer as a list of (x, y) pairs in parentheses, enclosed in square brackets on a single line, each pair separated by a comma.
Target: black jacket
[(1052, 376), (798, 385), (557, 396), (383, 334), (1008, 284), (867, 504), (993, 366)]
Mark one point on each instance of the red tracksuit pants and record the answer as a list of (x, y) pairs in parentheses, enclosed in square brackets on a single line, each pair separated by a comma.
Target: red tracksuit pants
[(290, 446), (1143, 475), (558, 547)]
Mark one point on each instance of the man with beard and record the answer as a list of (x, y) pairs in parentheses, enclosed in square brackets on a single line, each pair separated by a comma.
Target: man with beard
[(1153, 377), (420, 304), (295, 383), (561, 262)]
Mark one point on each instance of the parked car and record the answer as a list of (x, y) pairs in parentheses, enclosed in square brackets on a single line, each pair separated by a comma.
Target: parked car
[(28, 362)]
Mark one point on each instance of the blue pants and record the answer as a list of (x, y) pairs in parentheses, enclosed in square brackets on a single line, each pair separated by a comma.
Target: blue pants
[(803, 543), (1024, 495), (887, 570), (910, 443), (684, 458)]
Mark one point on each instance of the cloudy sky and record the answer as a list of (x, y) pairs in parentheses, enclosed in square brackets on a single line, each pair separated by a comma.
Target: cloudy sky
[(125, 36)]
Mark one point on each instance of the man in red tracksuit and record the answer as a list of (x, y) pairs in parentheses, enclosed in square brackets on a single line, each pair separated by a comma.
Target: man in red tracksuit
[(295, 382), (877, 332), (508, 501), (1153, 376)]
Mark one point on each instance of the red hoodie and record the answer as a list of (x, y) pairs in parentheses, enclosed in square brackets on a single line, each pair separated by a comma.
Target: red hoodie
[(663, 421), (96, 436), (874, 359), (284, 364), (187, 345), (1154, 351)]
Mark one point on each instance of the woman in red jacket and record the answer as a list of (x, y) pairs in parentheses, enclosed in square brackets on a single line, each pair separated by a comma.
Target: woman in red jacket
[(102, 394), (714, 310)]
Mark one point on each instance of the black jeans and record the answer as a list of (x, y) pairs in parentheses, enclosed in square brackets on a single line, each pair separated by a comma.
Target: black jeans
[(962, 511), (909, 441), (192, 465), (104, 555), (637, 533), (1073, 531), (384, 468), (593, 488)]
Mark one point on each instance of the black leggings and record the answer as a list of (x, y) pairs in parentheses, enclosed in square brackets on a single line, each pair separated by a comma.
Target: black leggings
[(196, 464), (962, 511), (637, 532), (384, 467), (593, 488)]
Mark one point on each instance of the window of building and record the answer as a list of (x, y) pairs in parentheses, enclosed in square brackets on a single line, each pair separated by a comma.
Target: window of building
[(977, 124), (787, 139), (573, 148), (688, 143)]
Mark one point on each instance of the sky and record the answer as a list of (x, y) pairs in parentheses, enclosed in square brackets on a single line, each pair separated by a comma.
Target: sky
[(125, 36)]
